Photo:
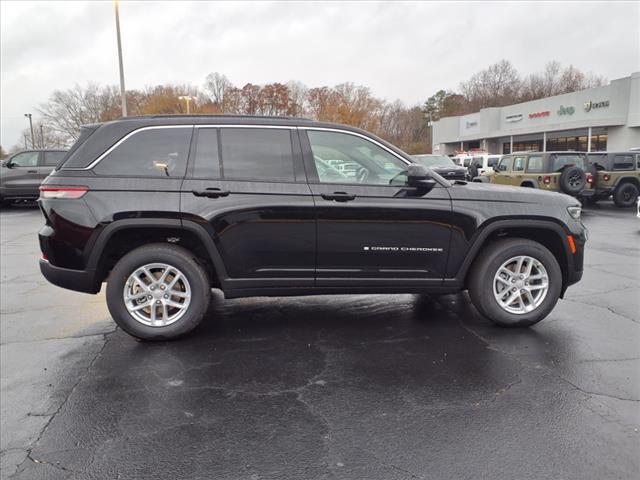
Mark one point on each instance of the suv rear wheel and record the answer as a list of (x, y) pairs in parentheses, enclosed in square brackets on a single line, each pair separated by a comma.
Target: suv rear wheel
[(515, 283), (158, 292), (625, 195)]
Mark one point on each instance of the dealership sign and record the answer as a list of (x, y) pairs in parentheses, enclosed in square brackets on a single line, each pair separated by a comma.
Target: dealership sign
[(540, 114), (513, 118), (566, 110), (591, 105)]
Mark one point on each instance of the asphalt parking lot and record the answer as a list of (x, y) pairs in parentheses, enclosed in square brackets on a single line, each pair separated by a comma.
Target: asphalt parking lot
[(346, 387)]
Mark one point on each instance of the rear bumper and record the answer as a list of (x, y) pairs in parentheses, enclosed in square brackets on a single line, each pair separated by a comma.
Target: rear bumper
[(587, 193), (79, 280)]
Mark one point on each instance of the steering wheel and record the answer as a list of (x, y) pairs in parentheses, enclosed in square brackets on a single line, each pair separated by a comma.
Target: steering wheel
[(362, 174)]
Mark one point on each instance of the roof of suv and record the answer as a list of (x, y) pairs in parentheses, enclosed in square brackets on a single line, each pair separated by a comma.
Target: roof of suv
[(101, 136)]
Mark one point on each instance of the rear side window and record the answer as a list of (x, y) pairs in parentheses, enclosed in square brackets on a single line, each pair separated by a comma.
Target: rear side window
[(257, 154), (157, 152), (51, 159), (623, 162), (534, 164)]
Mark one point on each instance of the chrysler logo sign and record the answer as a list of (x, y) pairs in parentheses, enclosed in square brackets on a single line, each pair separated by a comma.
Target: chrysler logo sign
[(513, 118), (589, 105)]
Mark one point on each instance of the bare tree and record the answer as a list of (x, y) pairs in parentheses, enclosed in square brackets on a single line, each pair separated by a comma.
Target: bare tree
[(496, 86), (216, 84), (555, 80)]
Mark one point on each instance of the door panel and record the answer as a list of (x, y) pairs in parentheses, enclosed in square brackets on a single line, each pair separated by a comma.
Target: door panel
[(373, 230), (381, 236), (262, 220), (262, 230)]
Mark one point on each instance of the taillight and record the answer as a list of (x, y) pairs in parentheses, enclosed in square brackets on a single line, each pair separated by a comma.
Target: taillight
[(606, 177), (589, 178), (546, 180), (50, 191)]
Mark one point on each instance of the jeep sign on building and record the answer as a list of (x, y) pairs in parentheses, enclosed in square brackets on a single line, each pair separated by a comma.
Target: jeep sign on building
[(597, 119)]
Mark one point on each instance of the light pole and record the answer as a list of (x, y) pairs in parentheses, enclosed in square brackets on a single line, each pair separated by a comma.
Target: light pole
[(42, 136), (188, 98), (123, 98), (33, 141)]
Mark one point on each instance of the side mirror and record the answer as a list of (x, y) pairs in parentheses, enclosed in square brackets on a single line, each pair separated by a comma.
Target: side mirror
[(419, 178), (6, 163)]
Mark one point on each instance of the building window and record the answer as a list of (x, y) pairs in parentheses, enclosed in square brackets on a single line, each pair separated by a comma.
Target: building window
[(599, 143)]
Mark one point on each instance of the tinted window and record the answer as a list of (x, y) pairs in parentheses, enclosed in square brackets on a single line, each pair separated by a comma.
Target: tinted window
[(344, 158), (207, 158), (493, 161), (534, 164), (257, 154), (623, 162), (518, 164), (158, 152), (25, 159), (51, 159)]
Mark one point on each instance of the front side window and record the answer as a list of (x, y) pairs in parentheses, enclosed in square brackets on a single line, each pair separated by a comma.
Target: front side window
[(493, 161), (257, 154), (505, 164), (623, 162), (534, 164), (518, 164), (157, 152), (51, 159), (25, 159), (345, 158)]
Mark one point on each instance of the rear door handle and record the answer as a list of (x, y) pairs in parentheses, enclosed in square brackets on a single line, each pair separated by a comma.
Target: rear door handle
[(211, 192), (338, 196), (32, 171)]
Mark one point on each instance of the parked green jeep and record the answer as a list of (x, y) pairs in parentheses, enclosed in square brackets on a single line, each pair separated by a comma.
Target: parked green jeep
[(617, 174), (565, 172)]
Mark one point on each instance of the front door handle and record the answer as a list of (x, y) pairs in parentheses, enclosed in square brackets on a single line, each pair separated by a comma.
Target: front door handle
[(338, 196), (211, 192), (32, 171)]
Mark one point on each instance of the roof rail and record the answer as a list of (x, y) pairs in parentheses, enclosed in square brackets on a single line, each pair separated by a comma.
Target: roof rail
[(221, 115)]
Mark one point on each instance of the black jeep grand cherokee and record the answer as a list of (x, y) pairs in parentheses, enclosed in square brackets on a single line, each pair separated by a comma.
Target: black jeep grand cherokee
[(165, 208)]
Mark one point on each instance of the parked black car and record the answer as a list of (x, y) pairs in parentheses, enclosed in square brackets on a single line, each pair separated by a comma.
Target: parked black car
[(443, 165), (164, 208), (22, 173)]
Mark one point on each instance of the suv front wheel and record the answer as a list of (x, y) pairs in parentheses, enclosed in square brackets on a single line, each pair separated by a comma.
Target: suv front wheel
[(515, 283), (158, 292)]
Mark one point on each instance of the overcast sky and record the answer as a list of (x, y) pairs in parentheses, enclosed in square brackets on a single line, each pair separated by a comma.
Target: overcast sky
[(403, 51)]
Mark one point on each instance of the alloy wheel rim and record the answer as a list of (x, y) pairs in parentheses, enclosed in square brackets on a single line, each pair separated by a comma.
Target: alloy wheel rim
[(157, 294), (520, 285)]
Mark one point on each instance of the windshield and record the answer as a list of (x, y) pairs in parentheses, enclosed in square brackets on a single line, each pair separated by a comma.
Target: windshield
[(562, 160), (433, 160)]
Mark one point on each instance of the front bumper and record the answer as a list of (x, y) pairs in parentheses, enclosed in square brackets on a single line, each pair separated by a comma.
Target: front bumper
[(79, 280)]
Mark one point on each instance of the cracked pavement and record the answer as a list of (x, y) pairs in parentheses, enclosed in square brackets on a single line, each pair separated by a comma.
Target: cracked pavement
[(342, 387)]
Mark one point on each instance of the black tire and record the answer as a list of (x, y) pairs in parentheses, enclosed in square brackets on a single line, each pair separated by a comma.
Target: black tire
[(573, 180), (174, 256), (484, 269), (5, 203), (625, 195)]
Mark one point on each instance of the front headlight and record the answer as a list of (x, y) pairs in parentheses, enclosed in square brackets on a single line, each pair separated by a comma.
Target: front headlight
[(575, 211)]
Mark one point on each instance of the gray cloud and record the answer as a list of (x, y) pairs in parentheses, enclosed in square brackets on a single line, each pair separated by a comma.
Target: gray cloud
[(403, 51)]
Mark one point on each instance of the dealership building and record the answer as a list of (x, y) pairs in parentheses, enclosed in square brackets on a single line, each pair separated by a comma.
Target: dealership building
[(597, 119)]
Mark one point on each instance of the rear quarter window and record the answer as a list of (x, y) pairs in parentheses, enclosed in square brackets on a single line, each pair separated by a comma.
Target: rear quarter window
[(623, 162), (156, 152), (51, 159)]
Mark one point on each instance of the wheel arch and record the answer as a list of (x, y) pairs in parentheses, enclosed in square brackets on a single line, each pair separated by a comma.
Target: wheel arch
[(122, 236), (624, 180), (546, 232)]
